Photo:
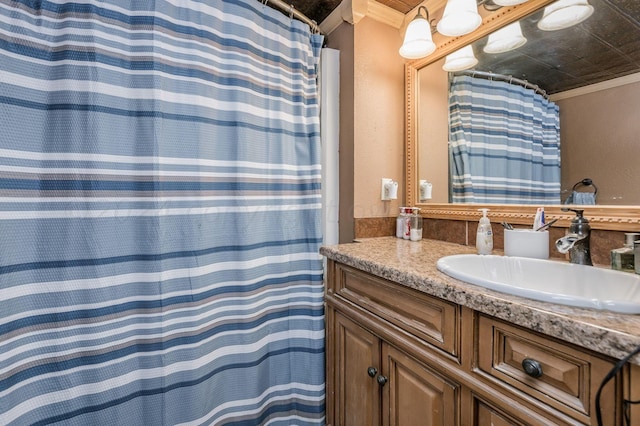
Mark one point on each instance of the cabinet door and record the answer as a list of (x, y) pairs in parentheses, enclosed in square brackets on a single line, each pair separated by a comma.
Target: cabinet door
[(416, 395), (357, 367), (487, 415)]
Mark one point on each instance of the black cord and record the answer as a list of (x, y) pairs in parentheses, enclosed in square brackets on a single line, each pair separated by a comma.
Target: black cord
[(627, 410), (614, 371)]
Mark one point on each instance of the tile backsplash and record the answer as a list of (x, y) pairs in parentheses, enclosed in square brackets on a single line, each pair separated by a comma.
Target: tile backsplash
[(463, 232)]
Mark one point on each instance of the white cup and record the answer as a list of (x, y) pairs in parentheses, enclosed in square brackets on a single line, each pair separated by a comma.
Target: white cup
[(526, 243)]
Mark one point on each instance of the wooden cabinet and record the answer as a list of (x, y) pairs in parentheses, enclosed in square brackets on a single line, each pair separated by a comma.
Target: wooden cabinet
[(356, 354), (414, 394), (396, 356), (560, 375), (376, 383)]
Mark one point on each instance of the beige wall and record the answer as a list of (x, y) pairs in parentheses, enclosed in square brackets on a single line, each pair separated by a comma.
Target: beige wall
[(599, 134), (433, 125), (371, 120), (378, 117)]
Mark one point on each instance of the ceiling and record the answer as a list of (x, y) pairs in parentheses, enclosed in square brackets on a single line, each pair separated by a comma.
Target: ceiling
[(318, 10), (605, 46), (315, 10)]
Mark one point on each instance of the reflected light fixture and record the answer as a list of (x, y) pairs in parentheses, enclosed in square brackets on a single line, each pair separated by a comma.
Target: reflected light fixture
[(505, 39), (564, 14), (461, 59), (418, 42), (460, 17), (509, 2)]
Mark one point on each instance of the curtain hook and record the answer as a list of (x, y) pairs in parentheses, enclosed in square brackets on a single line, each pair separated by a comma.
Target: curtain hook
[(264, 2), (291, 11)]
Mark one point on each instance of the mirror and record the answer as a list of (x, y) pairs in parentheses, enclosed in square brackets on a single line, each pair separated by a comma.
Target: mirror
[(427, 85)]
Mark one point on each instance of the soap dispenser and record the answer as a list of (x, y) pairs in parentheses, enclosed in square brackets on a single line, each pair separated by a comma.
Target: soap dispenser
[(484, 235)]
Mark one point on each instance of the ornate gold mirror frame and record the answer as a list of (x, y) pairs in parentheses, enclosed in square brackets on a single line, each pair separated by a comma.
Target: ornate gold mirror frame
[(620, 218)]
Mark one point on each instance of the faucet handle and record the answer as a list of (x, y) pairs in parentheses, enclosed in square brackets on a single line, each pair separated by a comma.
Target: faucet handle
[(579, 224), (578, 212)]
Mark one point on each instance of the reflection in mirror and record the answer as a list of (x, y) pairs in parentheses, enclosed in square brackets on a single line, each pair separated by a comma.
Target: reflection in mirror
[(581, 68), (504, 142)]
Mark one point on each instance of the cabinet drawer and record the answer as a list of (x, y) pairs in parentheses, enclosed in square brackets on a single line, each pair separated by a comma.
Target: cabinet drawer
[(431, 319), (487, 413), (567, 377)]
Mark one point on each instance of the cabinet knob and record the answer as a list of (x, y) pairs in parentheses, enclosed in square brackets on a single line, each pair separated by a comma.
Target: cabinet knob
[(382, 380), (532, 367), (371, 371)]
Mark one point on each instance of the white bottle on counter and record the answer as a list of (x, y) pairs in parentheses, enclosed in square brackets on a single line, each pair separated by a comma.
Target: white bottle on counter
[(401, 222), (484, 235)]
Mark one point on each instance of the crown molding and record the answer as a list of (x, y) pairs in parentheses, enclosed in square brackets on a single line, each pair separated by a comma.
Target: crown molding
[(385, 14), (609, 84), (352, 11)]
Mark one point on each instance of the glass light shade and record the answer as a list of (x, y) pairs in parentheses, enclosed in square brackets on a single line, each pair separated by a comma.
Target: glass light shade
[(459, 60), (418, 42), (509, 2), (460, 17), (505, 39), (564, 14)]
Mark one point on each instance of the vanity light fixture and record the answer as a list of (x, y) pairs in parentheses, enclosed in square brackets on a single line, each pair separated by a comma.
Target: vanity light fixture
[(418, 41), (461, 59), (460, 17), (505, 39), (564, 14)]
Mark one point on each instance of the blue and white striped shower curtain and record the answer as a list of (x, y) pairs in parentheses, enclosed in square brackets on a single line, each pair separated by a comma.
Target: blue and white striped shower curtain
[(160, 214), (504, 143)]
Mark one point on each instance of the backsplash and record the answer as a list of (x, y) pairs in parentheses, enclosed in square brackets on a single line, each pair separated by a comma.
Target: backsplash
[(462, 232)]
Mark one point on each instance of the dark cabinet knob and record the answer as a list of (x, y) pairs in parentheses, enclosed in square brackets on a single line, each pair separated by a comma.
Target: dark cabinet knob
[(371, 371), (382, 380), (532, 367)]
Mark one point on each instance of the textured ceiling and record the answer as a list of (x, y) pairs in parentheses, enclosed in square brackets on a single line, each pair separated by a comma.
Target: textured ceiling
[(605, 46), (315, 10)]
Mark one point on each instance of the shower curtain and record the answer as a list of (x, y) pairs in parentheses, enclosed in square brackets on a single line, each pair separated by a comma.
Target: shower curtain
[(160, 214), (504, 143)]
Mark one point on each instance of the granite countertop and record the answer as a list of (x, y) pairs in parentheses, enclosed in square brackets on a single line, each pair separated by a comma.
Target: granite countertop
[(413, 264)]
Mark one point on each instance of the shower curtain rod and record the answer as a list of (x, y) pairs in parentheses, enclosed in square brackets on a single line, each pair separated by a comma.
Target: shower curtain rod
[(293, 13), (507, 78)]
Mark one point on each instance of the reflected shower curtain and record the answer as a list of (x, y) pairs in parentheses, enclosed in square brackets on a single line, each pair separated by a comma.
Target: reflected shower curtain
[(504, 143), (160, 214)]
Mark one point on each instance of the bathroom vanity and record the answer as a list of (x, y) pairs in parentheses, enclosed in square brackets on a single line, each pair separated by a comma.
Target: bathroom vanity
[(408, 345)]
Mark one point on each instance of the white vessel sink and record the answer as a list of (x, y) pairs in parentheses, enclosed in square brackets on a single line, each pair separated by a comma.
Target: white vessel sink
[(549, 281)]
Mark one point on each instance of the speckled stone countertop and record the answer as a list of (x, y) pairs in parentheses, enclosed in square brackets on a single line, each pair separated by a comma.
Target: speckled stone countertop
[(413, 264)]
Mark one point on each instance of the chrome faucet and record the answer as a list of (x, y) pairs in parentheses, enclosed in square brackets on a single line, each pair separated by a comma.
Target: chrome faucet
[(577, 241)]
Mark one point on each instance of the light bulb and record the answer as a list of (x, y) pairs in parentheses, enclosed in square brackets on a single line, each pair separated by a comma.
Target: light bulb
[(564, 14), (460, 17), (505, 39), (461, 59), (418, 42)]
